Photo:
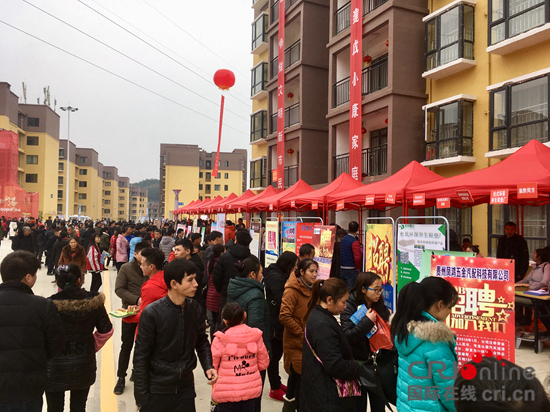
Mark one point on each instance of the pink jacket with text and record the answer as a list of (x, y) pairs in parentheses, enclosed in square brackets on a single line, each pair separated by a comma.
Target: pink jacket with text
[(238, 355)]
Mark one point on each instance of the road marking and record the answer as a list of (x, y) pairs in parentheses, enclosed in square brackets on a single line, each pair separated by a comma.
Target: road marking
[(108, 400)]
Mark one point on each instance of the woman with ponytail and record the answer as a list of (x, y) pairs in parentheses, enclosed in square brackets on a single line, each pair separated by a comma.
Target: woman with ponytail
[(81, 313), (294, 307), (238, 355), (327, 353), (421, 336), (94, 262)]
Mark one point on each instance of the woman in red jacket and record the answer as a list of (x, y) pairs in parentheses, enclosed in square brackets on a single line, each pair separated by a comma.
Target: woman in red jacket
[(94, 263)]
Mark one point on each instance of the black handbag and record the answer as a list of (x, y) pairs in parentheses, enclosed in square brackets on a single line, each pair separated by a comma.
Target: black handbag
[(379, 375)]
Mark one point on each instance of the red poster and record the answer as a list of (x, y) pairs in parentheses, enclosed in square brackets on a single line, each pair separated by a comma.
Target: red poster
[(484, 317), (464, 196), (304, 233), (314, 205), (419, 199), (355, 90), (369, 200), (292, 203), (340, 205), (281, 99), (499, 197), (528, 191), (443, 203), (390, 198)]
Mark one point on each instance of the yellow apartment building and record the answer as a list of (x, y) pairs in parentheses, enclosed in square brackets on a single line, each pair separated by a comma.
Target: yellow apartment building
[(38, 129), (487, 66), (123, 198), (111, 205), (88, 184), (259, 96), (138, 204), (188, 169)]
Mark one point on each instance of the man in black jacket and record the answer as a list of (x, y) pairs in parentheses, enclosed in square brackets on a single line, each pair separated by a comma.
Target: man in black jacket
[(225, 269), (514, 246), (32, 333), (24, 241), (170, 331)]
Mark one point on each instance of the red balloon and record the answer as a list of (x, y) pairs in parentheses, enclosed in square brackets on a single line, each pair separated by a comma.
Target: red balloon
[(224, 79)]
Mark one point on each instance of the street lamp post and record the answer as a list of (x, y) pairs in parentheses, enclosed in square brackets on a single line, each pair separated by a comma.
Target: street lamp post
[(68, 109)]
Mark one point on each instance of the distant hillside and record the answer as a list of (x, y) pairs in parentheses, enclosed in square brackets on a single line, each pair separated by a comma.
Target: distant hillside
[(152, 185)]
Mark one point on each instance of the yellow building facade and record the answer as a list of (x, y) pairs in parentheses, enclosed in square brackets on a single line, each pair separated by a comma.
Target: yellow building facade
[(487, 72)]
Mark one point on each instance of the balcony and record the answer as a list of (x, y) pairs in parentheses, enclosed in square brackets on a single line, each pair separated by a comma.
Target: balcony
[(291, 175), (374, 160), (374, 78), (259, 35), (292, 55), (259, 81), (342, 16), (451, 151), (292, 117), (275, 9), (258, 126), (258, 4)]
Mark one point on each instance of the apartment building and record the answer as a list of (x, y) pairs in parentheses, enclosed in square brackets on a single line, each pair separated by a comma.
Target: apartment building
[(38, 129), (88, 179), (110, 201), (138, 203), (123, 198), (153, 209), (487, 68), (187, 169)]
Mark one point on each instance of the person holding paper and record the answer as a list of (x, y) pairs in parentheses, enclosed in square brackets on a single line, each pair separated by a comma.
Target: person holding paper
[(359, 320)]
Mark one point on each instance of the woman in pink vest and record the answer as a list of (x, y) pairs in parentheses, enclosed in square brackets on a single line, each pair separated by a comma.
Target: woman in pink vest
[(238, 354)]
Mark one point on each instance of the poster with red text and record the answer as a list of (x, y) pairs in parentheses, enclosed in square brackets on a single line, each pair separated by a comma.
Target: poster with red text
[(323, 241), (281, 98), (304, 234), (379, 258), (355, 90), (484, 317)]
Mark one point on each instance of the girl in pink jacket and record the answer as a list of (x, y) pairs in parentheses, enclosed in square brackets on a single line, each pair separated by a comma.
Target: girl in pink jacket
[(239, 354)]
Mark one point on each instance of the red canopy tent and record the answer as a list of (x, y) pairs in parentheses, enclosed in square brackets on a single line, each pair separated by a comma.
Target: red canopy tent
[(246, 196), (195, 208), (245, 204), (184, 209), (206, 207), (530, 164), (399, 183), (274, 202), (220, 207)]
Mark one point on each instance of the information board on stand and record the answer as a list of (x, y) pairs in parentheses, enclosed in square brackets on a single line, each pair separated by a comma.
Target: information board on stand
[(272, 242), (323, 242), (379, 258)]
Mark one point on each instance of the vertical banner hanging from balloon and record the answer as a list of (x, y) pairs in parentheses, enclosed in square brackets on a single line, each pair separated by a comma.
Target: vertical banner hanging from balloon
[(281, 99), (224, 79), (355, 101)]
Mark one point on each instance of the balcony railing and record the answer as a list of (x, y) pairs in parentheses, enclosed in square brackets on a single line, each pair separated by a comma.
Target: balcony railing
[(374, 78), (442, 149), (291, 176), (275, 9), (292, 55), (342, 16), (374, 159), (292, 116)]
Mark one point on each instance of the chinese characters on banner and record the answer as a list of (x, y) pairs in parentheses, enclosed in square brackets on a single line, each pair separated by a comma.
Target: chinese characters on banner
[(304, 234), (528, 191), (411, 241), (379, 257), (484, 315), (281, 98), (323, 242), (499, 197), (272, 242), (289, 237), (355, 90)]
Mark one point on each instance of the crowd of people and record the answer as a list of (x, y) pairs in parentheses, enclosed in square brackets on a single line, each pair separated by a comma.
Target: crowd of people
[(208, 296)]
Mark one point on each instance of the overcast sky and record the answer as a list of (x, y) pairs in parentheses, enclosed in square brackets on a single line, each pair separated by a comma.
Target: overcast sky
[(120, 120)]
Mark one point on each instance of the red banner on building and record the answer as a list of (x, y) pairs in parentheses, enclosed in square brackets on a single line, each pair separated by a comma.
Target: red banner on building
[(281, 99), (355, 90)]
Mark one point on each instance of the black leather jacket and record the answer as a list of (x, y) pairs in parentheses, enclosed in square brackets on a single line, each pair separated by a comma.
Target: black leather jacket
[(164, 358)]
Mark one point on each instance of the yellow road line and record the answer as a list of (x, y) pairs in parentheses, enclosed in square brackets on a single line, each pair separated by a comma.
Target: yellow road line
[(108, 400)]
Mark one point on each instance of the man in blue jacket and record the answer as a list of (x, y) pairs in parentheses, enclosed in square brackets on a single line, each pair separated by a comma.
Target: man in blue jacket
[(350, 256)]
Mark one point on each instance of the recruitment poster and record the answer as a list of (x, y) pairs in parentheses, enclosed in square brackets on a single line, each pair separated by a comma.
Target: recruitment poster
[(272, 242), (255, 228), (411, 241), (323, 241), (304, 234), (289, 237), (426, 265), (221, 224), (379, 258), (484, 316)]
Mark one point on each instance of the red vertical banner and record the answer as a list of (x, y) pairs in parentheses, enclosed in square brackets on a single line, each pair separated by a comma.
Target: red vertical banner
[(216, 164), (355, 90), (281, 99)]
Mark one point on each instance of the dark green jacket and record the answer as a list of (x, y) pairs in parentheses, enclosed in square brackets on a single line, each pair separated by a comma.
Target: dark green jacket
[(249, 293)]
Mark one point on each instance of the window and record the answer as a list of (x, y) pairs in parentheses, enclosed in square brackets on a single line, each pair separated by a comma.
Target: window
[(106, 202), (106, 210), (62, 153), (83, 172), (508, 18), (450, 36), (121, 190), (107, 193), (33, 122), (377, 159), (227, 163), (121, 198), (134, 211), (121, 212), (31, 178), (450, 130), (258, 126), (258, 173), (82, 184), (107, 184), (107, 175), (259, 78), (225, 187), (217, 188), (32, 140), (200, 186), (60, 194), (226, 176), (82, 196), (208, 166), (259, 31), (460, 220), (200, 175), (121, 184), (60, 180), (121, 205), (32, 160), (519, 113), (82, 159), (201, 162), (207, 189), (134, 204), (219, 176), (60, 208)]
